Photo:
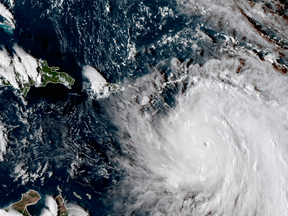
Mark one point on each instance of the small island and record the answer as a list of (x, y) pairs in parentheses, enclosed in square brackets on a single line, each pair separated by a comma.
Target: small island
[(62, 210), (29, 198), (50, 75)]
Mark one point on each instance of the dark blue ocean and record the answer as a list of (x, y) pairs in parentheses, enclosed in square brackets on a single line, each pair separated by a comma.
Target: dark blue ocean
[(73, 125)]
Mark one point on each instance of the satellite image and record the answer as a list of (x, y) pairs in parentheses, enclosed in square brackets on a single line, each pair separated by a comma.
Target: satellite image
[(144, 108)]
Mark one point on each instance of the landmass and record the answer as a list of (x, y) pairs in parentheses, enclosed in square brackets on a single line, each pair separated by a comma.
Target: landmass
[(23, 71), (76, 195), (104, 90), (50, 75), (29, 198), (96, 85), (88, 195), (62, 210)]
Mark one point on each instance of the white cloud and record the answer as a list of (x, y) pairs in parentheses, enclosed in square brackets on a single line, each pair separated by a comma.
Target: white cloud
[(221, 149), (28, 62), (52, 206), (96, 80), (11, 212), (17, 71), (96, 85), (7, 15), (75, 210), (3, 143)]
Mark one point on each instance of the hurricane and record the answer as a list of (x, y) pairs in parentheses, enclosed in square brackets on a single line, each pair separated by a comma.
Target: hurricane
[(144, 108), (220, 147)]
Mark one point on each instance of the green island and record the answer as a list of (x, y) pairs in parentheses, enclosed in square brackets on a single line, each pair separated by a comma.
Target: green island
[(50, 75), (29, 198), (47, 75)]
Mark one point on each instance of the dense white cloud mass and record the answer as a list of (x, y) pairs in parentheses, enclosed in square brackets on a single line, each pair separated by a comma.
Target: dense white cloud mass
[(5, 13), (10, 213), (75, 210), (95, 79), (3, 143), (17, 70), (52, 206), (27, 64), (221, 151), (95, 84)]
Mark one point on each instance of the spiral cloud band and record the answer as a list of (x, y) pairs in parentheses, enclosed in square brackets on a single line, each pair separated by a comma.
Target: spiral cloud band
[(220, 151), (221, 148)]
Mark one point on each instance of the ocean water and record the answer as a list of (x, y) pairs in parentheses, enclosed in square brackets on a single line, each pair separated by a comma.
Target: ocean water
[(198, 127)]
